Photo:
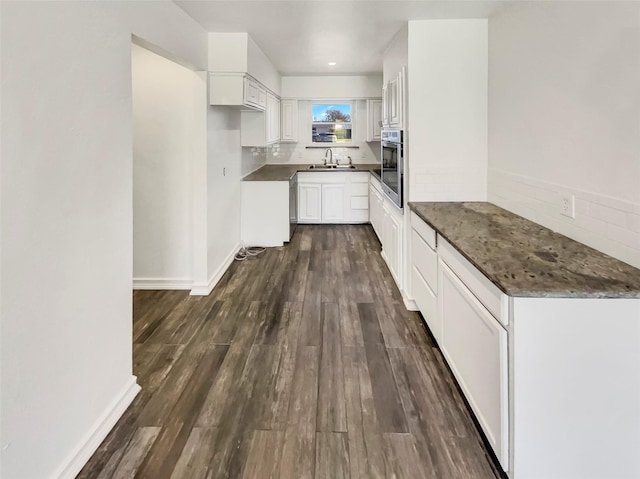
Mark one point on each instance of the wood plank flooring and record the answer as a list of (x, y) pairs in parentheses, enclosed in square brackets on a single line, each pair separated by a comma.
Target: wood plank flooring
[(302, 363)]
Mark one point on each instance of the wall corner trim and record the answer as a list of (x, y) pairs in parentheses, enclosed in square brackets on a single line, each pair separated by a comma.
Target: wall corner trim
[(94, 437), (205, 289)]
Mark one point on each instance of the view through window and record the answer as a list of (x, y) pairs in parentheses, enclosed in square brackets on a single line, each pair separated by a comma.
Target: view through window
[(331, 122)]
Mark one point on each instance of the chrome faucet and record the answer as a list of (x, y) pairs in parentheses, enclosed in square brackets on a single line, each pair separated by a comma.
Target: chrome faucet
[(330, 153)]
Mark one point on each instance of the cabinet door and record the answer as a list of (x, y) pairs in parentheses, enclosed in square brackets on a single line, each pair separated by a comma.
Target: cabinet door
[(273, 119), (262, 97), (475, 345), (385, 105), (276, 120), (289, 124), (309, 203), (374, 118), (252, 92), (393, 250), (375, 205), (394, 111), (333, 203)]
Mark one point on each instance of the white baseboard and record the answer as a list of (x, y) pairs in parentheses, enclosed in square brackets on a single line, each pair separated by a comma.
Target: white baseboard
[(90, 442), (409, 303), (162, 283), (205, 289)]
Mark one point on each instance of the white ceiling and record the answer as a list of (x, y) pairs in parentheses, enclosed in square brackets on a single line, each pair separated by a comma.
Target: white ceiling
[(301, 37)]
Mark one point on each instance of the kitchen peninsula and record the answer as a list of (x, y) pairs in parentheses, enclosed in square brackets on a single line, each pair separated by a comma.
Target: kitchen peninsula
[(538, 330)]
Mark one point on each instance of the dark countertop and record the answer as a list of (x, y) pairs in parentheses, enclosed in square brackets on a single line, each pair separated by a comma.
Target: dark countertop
[(285, 172), (525, 259)]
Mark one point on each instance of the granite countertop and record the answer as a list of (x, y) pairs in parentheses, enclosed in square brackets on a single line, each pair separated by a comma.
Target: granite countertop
[(525, 259), (285, 172)]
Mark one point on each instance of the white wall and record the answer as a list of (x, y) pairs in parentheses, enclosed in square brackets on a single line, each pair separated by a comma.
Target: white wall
[(228, 51), (66, 231), (332, 87), (396, 55), (163, 138), (223, 172), (447, 83), (237, 52), (260, 67), (564, 117)]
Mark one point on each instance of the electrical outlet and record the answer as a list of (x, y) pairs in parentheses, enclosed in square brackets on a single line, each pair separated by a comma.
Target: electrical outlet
[(568, 205)]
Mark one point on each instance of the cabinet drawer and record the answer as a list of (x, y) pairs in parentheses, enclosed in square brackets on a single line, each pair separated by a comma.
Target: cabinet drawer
[(424, 259), (359, 189), (487, 293), (359, 216), (426, 301), (424, 230), (359, 202)]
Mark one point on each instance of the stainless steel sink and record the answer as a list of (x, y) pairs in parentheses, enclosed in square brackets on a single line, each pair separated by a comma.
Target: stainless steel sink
[(321, 167), (331, 167)]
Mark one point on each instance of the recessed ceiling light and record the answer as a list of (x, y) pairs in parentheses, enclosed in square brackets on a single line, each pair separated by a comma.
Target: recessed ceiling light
[(332, 64)]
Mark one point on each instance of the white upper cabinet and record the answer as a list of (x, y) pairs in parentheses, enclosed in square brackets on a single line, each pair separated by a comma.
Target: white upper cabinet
[(393, 99), (236, 89), (289, 120), (273, 119), (254, 94), (261, 128), (374, 119), (385, 105)]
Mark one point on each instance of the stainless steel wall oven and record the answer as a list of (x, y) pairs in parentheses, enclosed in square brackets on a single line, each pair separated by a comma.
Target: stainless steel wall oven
[(391, 159)]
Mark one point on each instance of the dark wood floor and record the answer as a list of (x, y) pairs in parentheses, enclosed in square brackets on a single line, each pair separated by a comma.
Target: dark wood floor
[(302, 363)]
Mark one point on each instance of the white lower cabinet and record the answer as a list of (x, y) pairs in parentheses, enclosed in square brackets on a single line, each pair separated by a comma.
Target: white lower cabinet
[(392, 240), (475, 346), (333, 203), (387, 222), (309, 202), (333, 197), (264, 215), (375, 208), (463, 311), (424, 280)]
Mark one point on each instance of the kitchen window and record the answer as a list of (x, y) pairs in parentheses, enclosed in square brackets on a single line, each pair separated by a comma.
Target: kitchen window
[(331, 122)]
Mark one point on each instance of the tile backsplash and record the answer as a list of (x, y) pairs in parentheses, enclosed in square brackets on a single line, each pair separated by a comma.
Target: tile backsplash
[(607, 224)]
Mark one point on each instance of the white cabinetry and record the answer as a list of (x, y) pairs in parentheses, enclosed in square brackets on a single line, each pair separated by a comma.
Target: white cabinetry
[(273, 118), (374, 120), (261, 128), (475, 345), (375, 206), (393, 101), (392, 240), (236, 89), (264, 213), (309, 201), (387, 221), (289, 124), (333, 197), (550, 380), (424, 273), (468, 317), (333, 203)]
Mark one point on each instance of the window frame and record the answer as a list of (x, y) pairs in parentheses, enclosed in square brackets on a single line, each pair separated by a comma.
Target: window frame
[(331, 144)]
